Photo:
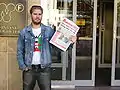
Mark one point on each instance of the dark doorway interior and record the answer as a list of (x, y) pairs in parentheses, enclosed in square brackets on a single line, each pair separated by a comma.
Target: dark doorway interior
[(105, 18), (102, 76)]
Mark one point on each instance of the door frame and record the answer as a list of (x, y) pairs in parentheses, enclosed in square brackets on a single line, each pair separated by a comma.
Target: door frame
[(73, 82), (113, 81), (92, 81)]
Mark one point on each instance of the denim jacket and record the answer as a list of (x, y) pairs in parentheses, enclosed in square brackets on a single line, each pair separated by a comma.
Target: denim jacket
[(25, 47)]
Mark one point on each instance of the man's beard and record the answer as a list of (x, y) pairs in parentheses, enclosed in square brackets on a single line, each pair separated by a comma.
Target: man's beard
[(36, 23)]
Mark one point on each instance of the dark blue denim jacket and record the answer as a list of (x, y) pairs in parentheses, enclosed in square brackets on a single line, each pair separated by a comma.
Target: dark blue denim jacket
[(25, 47)]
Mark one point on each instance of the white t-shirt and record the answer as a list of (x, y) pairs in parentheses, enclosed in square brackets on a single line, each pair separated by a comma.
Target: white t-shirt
[(37, 48)]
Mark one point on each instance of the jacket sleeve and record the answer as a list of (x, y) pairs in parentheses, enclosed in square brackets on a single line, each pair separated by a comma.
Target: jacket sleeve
[(21, 51)]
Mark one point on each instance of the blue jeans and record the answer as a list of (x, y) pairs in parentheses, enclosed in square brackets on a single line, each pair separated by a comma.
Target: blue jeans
[(41, 75)]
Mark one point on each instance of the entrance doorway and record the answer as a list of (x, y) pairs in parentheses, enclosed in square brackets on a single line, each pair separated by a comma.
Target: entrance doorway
[(76, 67), (86, 43), (104, 42), (115, 77)]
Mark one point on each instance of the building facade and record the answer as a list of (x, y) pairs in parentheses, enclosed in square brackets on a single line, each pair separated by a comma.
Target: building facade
[(94, 56)]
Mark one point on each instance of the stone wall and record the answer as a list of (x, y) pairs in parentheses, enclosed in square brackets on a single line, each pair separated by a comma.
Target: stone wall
[(10, 75)]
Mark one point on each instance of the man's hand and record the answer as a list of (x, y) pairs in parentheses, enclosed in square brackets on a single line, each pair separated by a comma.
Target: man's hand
[(73, 39), (26, 69)]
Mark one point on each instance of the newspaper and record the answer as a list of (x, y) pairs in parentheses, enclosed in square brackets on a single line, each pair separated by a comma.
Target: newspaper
[(66, 29)]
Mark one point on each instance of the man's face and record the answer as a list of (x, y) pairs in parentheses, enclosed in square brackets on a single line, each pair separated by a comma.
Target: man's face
[(36, 16)]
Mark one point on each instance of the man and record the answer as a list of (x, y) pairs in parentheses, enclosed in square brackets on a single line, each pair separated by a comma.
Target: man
[(33, 52)]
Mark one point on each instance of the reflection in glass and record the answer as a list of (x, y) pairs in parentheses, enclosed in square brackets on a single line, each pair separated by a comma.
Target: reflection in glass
[(84, 17), (61, 67), (84, 42)]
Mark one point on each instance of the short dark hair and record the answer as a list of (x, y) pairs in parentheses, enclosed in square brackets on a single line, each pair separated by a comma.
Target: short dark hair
[(36, 7)]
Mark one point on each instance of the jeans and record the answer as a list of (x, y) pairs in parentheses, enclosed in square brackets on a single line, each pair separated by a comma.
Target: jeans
[(41, 75)]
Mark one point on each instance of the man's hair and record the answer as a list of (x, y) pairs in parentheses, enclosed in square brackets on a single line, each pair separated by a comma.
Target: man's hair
[(36, 7)]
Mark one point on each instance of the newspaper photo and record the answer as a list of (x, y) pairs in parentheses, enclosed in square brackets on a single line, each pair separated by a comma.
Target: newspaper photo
[(66, 29)]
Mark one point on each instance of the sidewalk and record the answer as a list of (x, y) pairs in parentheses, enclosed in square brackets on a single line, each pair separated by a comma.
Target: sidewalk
[(91, 88)]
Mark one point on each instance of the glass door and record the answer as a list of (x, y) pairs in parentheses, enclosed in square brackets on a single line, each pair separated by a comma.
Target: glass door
[(62, 73), (86, 19), (76, 67), (115, 77)]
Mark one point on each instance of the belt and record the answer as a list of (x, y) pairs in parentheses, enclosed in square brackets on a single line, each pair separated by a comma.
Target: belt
[(36, 66)]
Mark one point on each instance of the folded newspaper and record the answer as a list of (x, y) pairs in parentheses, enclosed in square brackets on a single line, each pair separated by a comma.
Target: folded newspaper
[(66, 29)]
